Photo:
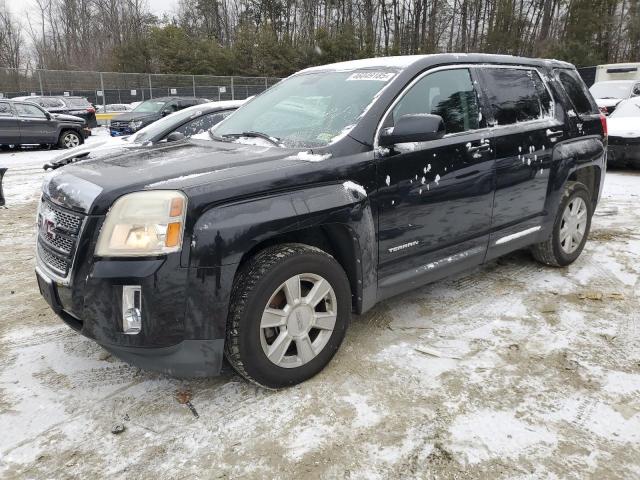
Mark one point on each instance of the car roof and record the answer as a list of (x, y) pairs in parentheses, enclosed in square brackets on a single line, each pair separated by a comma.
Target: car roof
[(405, 61), (19, 100), (213, 106), (167, 99)]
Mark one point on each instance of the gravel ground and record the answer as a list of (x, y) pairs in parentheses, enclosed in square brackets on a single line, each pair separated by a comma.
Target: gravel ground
[(510, 371)]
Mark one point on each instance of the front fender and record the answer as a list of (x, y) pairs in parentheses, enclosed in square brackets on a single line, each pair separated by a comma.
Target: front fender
[(224, 234)]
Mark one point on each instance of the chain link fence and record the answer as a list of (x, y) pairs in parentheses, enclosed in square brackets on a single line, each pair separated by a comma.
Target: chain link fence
[(102, 88)]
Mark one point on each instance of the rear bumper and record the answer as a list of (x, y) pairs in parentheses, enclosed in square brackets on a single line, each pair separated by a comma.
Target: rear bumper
[(622, 154)]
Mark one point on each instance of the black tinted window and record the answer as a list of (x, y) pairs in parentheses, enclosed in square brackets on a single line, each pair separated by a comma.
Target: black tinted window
[(448, 93), (577, 92), (203, 123), (5, 109), (516, 95)]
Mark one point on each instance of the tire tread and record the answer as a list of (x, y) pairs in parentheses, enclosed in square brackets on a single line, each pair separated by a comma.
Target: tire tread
[(244, 285)]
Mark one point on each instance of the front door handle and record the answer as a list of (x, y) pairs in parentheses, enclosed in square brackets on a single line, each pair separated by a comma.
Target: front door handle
[(478, 148), (554, 133)]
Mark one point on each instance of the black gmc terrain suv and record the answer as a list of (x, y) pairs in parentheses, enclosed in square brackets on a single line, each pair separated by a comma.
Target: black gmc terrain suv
[(339, 187)]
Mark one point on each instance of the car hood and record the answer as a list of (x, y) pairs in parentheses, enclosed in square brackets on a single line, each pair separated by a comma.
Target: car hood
[(129, 116), (207, 171), (101, 148), (67, 118), (624, 127), (608, 102)]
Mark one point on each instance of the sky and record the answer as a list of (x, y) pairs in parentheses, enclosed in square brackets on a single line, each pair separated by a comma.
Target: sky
[(22, 8)]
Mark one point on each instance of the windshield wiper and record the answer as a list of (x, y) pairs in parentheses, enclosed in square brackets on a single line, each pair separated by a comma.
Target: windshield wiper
[(252, 134)]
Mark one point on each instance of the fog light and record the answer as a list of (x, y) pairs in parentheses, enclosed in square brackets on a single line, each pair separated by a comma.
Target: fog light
[(131, 309)]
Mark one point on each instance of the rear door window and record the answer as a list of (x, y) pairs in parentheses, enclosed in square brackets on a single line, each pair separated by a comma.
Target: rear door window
[(5, 109), (516, 95), (203, 123), (447, 93), (577, 92)]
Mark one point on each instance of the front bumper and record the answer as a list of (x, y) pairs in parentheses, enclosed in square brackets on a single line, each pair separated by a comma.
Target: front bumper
[(187, 359), (183, 308), (183, 325)]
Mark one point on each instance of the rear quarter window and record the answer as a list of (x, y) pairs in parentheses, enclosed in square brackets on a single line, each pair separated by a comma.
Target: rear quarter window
[(50, 103), (577, 92), (516, 95)]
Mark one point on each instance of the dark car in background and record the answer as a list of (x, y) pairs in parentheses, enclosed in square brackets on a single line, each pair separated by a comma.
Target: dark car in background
[(192, 121), (69, 105), (148, 112), (25, 123)]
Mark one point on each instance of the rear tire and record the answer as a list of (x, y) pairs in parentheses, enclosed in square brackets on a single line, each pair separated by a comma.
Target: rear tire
[(570, 229), (290, 308), (70, 139)]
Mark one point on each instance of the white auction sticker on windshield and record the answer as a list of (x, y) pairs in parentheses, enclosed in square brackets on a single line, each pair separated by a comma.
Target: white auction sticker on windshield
[(378, 76)]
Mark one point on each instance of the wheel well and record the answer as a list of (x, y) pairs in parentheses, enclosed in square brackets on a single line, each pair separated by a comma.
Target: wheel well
[(590, 178), (335, 239)]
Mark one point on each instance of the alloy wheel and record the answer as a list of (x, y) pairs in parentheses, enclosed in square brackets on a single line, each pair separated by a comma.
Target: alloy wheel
[(71, 140), (574, 223), (298, 320)]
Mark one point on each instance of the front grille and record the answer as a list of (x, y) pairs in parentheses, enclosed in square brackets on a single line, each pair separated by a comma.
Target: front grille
[(58, 234), (56, 263), (116, 124)]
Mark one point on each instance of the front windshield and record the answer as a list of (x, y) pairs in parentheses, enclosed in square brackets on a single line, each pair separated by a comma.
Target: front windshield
[(308, 110), (610, 90), (149, 106), (630, 108), (170, 122)]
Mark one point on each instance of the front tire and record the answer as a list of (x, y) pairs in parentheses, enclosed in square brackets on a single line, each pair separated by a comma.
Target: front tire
[(570, 230), (290, 308), (70, 139)]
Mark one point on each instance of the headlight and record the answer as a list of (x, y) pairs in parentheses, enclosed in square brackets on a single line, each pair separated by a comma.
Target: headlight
[(135, 124), (143, 223)]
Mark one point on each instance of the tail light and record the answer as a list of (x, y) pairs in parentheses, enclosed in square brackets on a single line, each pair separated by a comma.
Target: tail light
[(605, 130), (604, 111)]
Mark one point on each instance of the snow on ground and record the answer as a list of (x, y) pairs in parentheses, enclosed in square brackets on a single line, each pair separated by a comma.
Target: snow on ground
[(25, 173), (510, 371)]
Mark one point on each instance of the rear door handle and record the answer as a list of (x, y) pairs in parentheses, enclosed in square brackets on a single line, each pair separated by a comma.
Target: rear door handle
[(478, 148), (554, 133)]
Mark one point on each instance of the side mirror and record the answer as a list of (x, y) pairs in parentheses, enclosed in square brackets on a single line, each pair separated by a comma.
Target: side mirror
[(414, 127), (166, 112), (48, 115), (175, 136)]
